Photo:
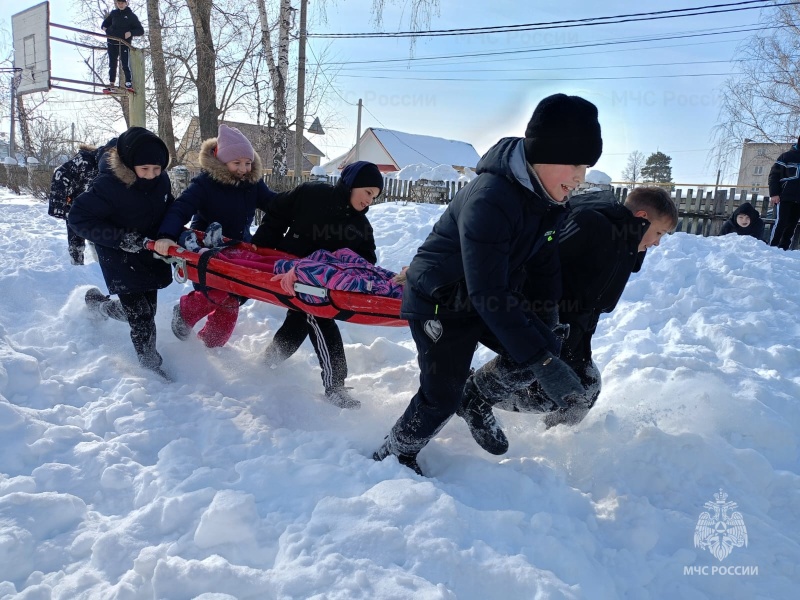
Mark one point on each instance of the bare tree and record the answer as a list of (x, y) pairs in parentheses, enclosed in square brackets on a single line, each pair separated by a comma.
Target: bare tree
[(763, 102), (419, 16), (159, 68), (633, 168), (208, 112), (278, 70)]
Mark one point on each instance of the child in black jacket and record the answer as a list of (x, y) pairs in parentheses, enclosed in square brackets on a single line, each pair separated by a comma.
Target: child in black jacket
[(70, 179), (784, 193), (121, 23), (463, 284), (745, 220), (319, 216), (601, 244), (125, 205)]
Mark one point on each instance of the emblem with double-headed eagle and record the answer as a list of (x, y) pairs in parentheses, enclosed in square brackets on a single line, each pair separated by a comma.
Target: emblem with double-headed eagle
[(720, 533)]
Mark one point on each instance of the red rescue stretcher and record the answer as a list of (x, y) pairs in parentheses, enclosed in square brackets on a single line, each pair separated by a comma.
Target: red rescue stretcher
[(248, 276)]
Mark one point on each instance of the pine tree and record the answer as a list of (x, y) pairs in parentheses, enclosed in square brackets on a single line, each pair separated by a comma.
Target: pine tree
[(657, 169)]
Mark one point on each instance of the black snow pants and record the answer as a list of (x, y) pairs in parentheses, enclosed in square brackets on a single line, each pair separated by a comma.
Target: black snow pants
[(782, 231), (117, 51), (326, 339), (138, 309)]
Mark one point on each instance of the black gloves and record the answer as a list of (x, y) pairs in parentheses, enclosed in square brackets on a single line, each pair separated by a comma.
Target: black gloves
[(132, 242), (558, 380)]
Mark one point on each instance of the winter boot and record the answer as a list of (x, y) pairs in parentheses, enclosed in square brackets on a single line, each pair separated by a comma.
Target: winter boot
[(339, 396), (95, 299), (483, 426), (161, 373), (102, 307), (273, 356), (407, 460), (180, 328)]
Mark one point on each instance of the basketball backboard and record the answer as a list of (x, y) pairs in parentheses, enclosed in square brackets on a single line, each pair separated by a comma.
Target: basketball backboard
[(30, 29)]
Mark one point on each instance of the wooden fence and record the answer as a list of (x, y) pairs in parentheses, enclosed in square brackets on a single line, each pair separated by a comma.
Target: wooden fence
[(703, 213)]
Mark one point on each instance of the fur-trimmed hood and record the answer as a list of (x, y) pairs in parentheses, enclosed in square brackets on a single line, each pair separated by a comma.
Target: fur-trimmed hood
[(119, 170), (220, 173)]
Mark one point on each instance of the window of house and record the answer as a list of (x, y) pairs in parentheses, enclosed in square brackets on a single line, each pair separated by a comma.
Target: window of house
[(761, 152), (755, 187), (758, 170)]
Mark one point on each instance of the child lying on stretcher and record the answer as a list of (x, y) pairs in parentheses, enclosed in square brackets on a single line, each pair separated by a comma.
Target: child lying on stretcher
[(340, 270)]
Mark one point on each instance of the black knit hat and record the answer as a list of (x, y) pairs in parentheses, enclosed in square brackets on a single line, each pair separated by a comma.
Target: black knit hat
[(363, 174), (140, 146), (563, 131)]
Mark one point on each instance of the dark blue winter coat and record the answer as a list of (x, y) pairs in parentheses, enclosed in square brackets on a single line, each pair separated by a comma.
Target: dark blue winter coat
[(113, 207), (473, 262), (215, 195)]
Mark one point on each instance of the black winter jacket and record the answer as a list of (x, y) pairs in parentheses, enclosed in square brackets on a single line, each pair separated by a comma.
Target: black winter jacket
[(317, 215), (215, 195), (111, 208), (473, 262), (599, 249), (118, 22), (74, 177), (784, 176), (756, 227)]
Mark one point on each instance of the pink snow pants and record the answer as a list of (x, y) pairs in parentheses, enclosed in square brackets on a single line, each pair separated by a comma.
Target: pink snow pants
[(222, 310)]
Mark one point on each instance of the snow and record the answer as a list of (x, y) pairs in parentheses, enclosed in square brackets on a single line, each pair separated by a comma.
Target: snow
[(598, 177), (412, 148), (419, 171), (239, 482)]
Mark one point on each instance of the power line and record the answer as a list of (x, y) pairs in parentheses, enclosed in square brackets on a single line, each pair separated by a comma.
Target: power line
[(508, 79), (523, 70), (570, 23), (545, 49)]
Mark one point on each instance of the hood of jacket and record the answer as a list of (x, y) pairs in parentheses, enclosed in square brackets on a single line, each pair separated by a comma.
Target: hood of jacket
[(217, 170), (746, 209), (344, 186), (112, 163), (507, 159)]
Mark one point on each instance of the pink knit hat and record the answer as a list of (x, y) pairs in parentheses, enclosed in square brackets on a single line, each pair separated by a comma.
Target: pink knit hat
[(231, 144)]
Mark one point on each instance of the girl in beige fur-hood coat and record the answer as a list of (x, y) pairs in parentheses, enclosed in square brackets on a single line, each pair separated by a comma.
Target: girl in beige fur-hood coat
[(218, 195), (227, 191)]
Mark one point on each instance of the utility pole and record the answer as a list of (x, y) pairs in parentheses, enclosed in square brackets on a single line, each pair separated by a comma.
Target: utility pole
[(12, 141), (301, 92), (358, 129)]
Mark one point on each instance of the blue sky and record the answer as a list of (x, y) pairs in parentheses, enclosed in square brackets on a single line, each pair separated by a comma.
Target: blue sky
[(482, 97)]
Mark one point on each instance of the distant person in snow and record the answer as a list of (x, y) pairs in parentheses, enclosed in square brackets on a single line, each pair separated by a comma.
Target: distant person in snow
[(464, 284), (121, 23), (227, 192), (601, 244), (69, 180), (125, 205), (745, 220), (319, 216), (784, 192)]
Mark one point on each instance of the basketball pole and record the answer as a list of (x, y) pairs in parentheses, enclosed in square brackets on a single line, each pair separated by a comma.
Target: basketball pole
[(138, 117)]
